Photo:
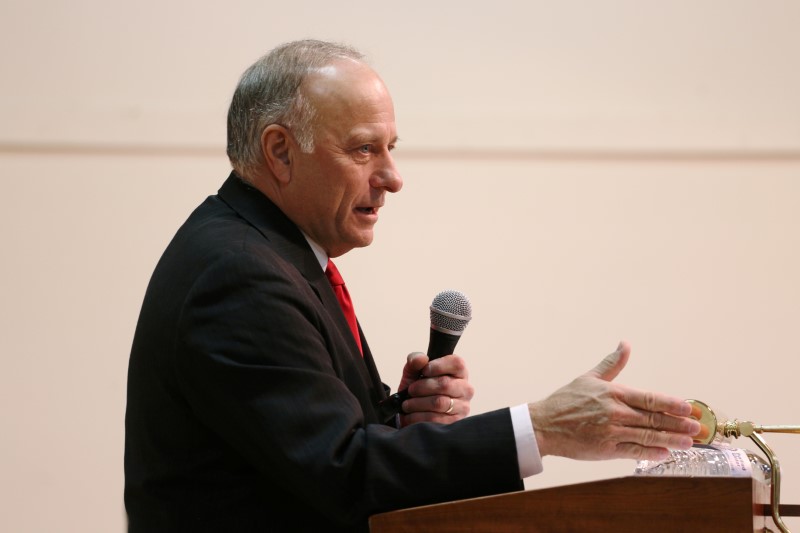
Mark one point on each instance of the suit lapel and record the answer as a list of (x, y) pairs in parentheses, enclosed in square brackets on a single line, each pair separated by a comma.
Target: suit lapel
[(288, 241)]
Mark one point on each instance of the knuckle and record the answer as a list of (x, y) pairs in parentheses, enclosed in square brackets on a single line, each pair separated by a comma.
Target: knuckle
[(459, 365), (442, 382), (655, 420), (408, 407), (650, 401), (441, 403), (469, 391), (635, 452), (648, 437)]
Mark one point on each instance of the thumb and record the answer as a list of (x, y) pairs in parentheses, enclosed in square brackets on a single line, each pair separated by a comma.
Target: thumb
[(415, 362), (610, 367)]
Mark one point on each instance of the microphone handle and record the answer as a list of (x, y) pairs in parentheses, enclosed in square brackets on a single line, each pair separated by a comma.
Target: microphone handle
[(439, 345)]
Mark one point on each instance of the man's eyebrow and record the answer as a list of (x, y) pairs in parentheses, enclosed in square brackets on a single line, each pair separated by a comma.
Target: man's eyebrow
[(369, 138)]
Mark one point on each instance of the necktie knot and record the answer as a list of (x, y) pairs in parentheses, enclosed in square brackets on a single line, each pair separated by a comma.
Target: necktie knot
[(334, 278)]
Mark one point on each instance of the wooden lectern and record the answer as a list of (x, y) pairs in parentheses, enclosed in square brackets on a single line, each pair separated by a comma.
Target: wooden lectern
[(628, 504)]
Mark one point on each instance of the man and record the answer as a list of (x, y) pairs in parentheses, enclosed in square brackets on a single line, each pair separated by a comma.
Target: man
[(252, 402)]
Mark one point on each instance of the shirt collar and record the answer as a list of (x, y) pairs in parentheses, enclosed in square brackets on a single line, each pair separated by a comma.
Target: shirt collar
[(319, 253)]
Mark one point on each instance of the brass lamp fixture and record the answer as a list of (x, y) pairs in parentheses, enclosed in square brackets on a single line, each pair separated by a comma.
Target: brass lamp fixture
[(735, 429)]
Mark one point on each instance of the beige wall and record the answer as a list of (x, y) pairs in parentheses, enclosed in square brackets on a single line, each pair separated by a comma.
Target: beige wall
[(584, 171)]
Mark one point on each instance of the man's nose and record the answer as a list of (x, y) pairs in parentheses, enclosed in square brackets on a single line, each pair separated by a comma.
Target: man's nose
[(387, 177)]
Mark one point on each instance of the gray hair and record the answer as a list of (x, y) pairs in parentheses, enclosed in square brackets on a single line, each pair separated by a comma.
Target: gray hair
[(267, 93)]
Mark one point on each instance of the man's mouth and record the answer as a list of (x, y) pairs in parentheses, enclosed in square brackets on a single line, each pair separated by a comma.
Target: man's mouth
[(367, 210)]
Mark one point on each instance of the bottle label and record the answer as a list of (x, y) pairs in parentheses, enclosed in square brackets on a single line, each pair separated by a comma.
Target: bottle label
[(739, 462)]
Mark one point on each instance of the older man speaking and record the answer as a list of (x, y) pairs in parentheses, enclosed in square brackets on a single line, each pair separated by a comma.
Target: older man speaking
[(252, 393)]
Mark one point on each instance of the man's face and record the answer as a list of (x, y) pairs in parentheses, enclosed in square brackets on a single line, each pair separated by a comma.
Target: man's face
[(335, 192)]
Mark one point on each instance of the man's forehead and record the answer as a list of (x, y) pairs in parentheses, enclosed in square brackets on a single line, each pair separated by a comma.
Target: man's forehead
[(350, 99), (373, 133)]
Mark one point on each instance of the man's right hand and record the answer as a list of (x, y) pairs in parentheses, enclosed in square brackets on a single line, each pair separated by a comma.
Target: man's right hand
[(440, 389)]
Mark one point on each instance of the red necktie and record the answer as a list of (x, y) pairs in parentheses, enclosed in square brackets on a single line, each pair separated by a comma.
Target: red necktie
[(345, 302)]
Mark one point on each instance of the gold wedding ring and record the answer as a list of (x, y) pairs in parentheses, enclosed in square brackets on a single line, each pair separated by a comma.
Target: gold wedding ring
[(450, 409)]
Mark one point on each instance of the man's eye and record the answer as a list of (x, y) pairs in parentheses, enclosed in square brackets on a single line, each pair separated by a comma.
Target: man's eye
[(365, 149)]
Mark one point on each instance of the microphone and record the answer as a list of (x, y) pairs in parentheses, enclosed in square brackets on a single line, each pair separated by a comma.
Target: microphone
[(451, 311)]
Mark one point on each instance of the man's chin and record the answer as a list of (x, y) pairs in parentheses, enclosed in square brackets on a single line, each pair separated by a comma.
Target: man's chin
[(362, 241)]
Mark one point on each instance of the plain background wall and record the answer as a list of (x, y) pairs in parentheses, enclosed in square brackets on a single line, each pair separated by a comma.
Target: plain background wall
[(584, 171)]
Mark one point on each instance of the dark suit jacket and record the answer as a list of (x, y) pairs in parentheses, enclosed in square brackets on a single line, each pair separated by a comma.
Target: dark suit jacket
[(250, 407)]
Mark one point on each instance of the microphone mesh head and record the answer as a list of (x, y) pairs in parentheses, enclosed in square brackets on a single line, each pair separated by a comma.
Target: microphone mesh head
[(450, 312)]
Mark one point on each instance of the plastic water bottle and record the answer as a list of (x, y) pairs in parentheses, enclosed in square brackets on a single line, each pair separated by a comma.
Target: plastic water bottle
[(713, 460)]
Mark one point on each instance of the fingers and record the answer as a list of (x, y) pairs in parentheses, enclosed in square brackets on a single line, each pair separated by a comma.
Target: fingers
[(650, 438), (653, 441), (444, 405), (445, 377), (627, 450), (658, 429), (442, 409), (641, 443), (434, 394), (415, 362), (667, 423), (440, 392), (442, 385), (419, 371), (438, 407), (452, 365), (652, 411), (638, 433), (654, 402)]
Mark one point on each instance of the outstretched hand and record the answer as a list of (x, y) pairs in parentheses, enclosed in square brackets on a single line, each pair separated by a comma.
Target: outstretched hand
[(593, 418)]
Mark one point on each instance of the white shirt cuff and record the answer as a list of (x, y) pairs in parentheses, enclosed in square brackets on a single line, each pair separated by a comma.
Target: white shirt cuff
[(530, 462)]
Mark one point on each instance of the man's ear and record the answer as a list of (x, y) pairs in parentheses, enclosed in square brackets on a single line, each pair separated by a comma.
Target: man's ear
[(276, 147)]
